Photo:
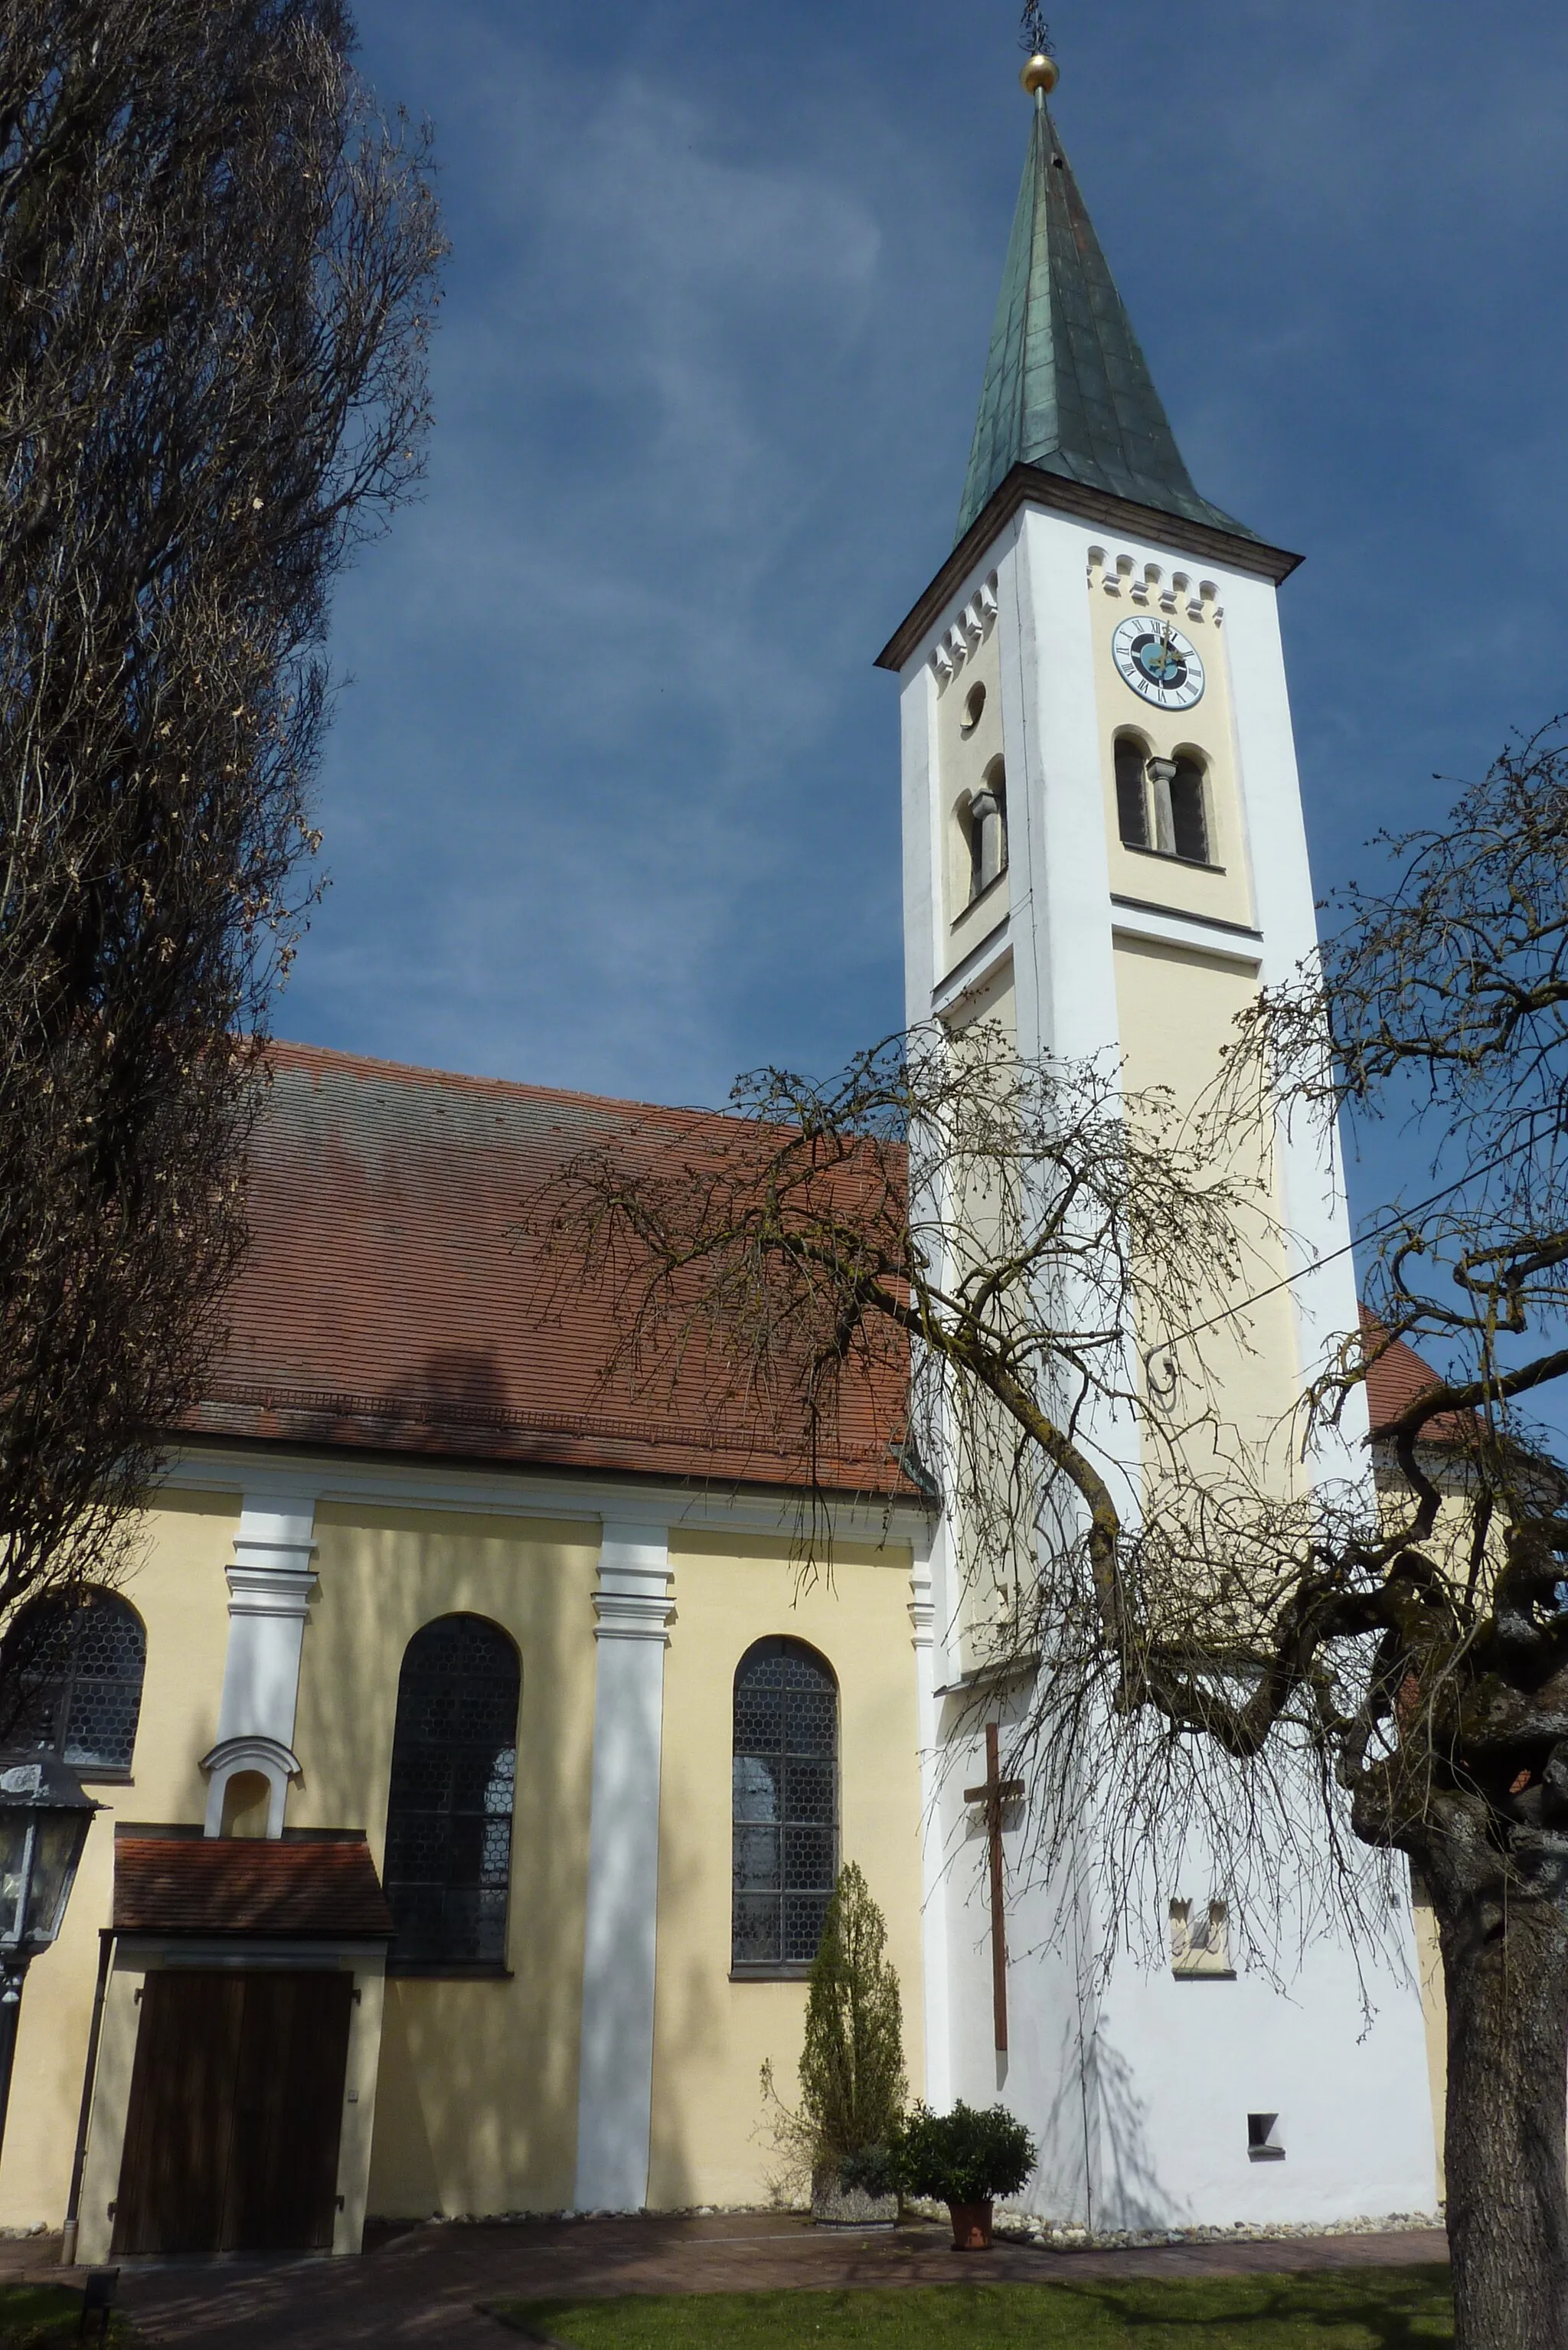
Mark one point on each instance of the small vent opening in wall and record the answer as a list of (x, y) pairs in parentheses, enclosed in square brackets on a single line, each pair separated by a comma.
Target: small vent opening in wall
[(1263, 2138)]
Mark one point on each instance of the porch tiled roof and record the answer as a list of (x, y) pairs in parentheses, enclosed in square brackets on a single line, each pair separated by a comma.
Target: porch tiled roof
[(296, 1888)]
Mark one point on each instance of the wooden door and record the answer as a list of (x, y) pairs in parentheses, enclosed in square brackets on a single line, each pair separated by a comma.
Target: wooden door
[(288, 2110), (175, 2164), (236, 2106)]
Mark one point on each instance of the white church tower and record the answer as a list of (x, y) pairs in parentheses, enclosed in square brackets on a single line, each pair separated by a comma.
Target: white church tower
[(1104, 846)]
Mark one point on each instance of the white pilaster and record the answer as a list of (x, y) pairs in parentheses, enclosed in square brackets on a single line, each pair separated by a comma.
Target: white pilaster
[(1313, 1197), (271, 1579), (938, 2092), (634, 1604), (1067, 990)]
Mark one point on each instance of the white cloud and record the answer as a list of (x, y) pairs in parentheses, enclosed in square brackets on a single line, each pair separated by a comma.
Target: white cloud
[(598, 693), (615, 802)]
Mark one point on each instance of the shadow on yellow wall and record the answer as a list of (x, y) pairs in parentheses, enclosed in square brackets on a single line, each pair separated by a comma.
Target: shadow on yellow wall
[(476, 2109)]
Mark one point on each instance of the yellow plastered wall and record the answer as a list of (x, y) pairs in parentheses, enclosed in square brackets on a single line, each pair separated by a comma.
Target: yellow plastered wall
[(477, 2099), (177, 1585), (1176, 1009), (711, 2035)]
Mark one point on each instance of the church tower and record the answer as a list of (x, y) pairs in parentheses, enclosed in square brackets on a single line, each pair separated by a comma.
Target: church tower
[(1097, 735), (1104, 850)]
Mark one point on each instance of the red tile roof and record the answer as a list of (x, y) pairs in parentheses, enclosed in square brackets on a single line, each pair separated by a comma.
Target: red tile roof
[(301, 1888), (388, 1305), (1396, 1379)]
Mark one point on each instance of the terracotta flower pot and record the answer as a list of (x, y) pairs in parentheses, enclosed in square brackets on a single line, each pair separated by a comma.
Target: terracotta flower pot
[(971, 2227)]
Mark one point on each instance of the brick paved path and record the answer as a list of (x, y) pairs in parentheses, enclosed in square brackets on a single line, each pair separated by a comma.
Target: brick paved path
[(417, 2290)]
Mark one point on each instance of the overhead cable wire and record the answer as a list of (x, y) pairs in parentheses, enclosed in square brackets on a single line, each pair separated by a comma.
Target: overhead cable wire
[(1390, 1224)]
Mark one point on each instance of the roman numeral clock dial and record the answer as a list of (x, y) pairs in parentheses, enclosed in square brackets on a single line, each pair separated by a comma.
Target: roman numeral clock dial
[(1158, 662)]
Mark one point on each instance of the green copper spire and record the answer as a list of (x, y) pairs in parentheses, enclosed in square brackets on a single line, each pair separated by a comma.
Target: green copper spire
[(1066, 386)]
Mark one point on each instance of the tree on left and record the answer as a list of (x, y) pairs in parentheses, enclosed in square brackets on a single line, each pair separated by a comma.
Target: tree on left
[(218, 264)]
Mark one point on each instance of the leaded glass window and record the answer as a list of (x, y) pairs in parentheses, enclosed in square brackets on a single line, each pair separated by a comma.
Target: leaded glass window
[(447, 1868), (76, 1664), (785, 1782)]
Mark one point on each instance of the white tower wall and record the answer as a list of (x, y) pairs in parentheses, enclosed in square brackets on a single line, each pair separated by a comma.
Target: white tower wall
[(1139, 2085)]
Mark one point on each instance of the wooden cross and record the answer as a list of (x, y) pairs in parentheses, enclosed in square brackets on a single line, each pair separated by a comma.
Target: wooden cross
[(996, 1792)]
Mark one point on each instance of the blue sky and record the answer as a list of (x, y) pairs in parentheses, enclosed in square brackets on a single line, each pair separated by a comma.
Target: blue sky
[(612, 799)]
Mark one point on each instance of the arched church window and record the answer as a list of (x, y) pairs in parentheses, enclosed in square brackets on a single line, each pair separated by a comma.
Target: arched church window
[(447, 1867), (786, 1807), (76, 1663), (1132, 792), (1188, 822)]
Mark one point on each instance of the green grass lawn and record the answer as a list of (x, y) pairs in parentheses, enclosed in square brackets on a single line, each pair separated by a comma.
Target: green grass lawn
[(1371, 2309), (37, 2316)]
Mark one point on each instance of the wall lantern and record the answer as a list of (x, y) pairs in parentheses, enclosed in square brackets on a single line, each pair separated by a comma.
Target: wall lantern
[(44, 1823)]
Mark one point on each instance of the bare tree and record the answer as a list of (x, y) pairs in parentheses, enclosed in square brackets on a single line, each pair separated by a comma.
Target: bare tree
[(217, 265), (1443, 1001), (1060, 1279)]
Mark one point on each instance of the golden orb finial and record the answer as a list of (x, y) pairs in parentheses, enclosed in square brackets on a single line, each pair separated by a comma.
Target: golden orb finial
[(1040, 73)]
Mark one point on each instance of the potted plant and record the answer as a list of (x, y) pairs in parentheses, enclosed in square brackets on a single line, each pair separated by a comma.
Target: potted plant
[(851, 2068), (964, 2160)]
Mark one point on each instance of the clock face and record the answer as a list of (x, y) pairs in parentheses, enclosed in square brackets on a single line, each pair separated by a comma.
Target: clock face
[(1158, 662)]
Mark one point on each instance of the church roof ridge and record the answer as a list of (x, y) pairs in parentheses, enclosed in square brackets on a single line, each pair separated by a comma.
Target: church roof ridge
[(1068, 389), (331, 1059)]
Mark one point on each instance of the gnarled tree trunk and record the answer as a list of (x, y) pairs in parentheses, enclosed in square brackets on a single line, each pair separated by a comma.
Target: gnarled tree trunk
[(1505, 1968)]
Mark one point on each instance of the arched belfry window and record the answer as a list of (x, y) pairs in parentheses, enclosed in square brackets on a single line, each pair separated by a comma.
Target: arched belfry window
[(76, 1664), (786, 1799), (1160, 803), (983, 820), (1188, 821), (447, 1868), (1132, 792)]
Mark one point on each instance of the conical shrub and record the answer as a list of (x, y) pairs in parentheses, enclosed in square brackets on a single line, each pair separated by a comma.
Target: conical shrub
[(852, 2080)]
